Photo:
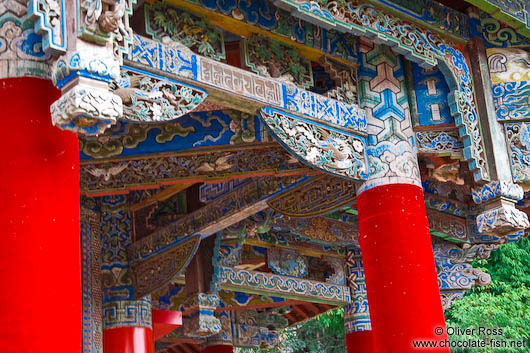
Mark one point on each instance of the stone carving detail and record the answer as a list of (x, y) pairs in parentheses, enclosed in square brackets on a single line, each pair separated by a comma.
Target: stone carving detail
[(336, 152), (147, 98), (271, 58), (50, 22), (230, 255), (286, 262), (457, 253), (455, 273), (186, 28), (238, 81), (280, 22), (258, 327), (295, 241), (511, 100), (448, 298), (219, 128), (263, 282), (86, 109)]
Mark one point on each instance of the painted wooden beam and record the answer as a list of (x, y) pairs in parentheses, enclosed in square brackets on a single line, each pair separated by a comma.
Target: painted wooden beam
[(284, 286), (211, 165), (157, 258)]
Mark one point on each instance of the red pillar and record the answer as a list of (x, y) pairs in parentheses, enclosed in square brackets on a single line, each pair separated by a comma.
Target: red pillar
[(128, 340), (40, 273), (218, 349), (399, 268), (360, 342)]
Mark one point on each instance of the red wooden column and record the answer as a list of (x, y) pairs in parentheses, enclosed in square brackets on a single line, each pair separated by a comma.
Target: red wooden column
[(399, 269), (127, 326), (128, 340), (218, 349), (40, 273), (360, 342)]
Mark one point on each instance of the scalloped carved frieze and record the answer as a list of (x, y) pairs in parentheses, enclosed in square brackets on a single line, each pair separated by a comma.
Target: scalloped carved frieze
[(262, 282), (337, 152), (439, 142), (149, 98)]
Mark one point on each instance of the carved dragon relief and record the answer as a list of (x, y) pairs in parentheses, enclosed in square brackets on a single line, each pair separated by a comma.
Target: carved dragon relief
[(148, 98)]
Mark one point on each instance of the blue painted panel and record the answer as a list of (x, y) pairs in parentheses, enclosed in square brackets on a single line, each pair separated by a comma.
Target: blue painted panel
[(437, 95), (197, 129)]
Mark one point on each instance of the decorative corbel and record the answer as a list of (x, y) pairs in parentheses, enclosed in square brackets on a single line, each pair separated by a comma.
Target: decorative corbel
[(500, 217), (87, 105)]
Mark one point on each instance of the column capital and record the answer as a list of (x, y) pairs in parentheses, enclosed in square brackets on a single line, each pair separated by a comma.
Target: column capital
[(199, 317), (88, 108), (500, 217), (127, 313)]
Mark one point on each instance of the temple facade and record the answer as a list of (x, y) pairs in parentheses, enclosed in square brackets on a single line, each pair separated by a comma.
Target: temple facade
[(189, 176)]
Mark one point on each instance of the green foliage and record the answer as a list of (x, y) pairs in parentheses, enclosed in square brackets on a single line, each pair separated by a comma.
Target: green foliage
[(321, 334), (504, 304)]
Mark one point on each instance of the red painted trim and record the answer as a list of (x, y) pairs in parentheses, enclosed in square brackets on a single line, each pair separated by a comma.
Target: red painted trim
[(401, 280), (40, 271), (218, 349), (128, 340), (165, 321), (360, 342)]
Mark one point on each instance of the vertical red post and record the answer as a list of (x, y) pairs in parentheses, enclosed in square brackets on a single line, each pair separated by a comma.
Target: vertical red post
[(218, 349), (399, 267), (360, 342), (128, 340), (40, 273)]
